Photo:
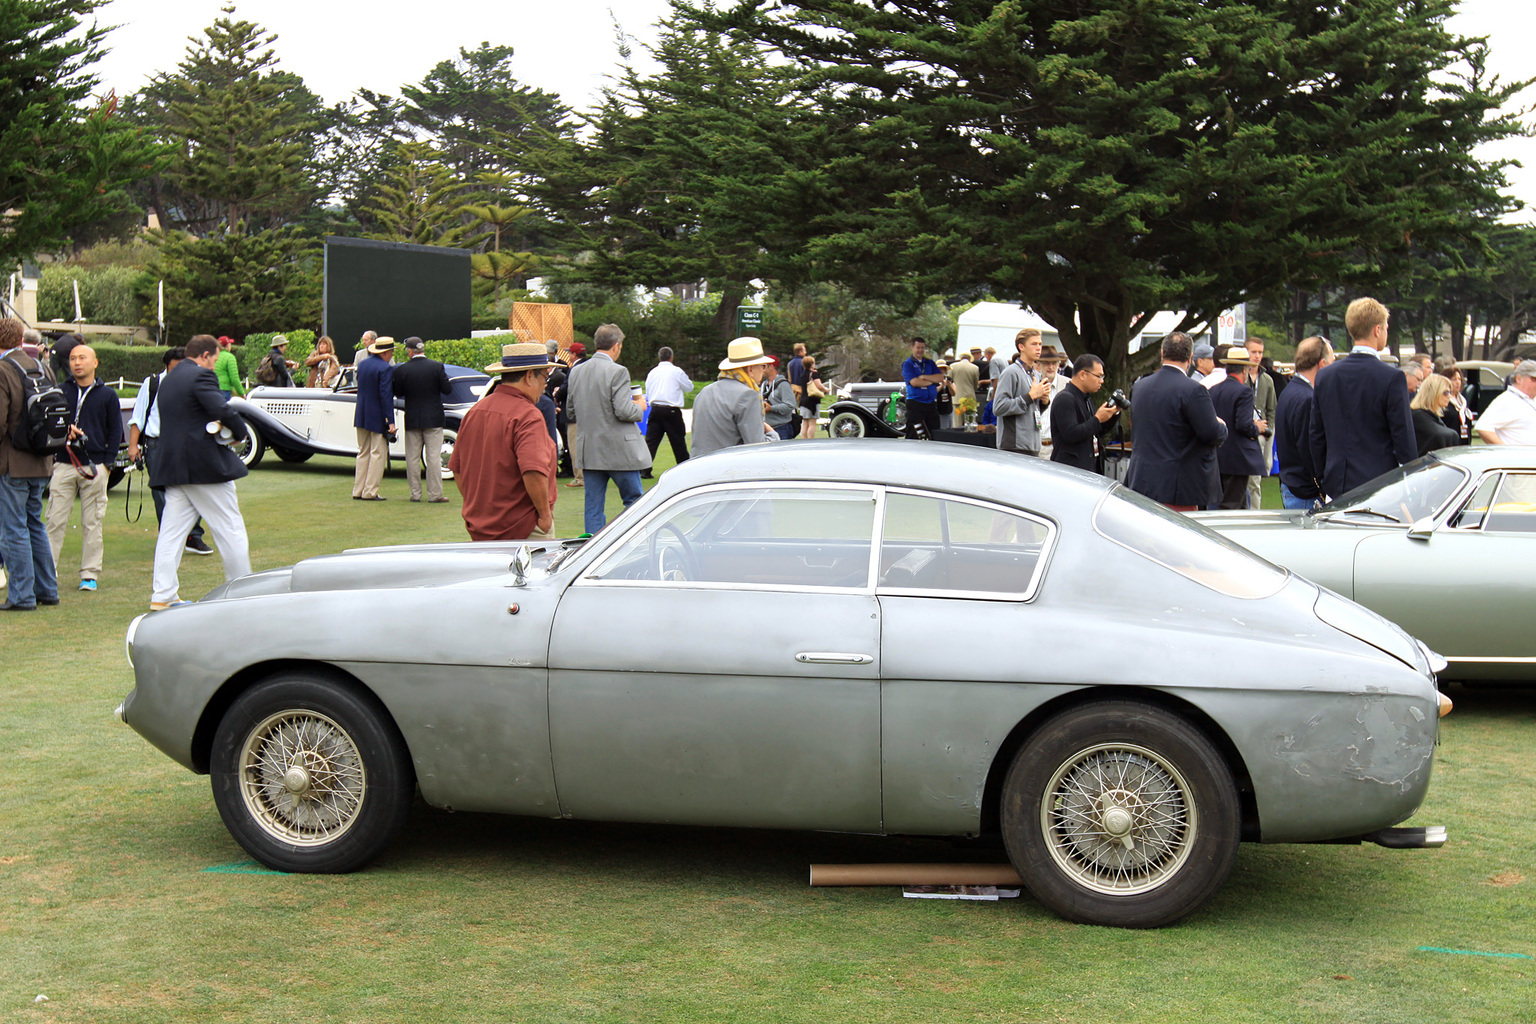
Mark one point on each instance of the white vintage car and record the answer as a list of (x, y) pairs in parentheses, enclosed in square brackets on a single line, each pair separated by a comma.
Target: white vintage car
[(299, 422)]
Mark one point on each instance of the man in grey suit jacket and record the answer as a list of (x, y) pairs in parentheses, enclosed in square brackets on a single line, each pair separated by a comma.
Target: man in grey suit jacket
[(609, 444)]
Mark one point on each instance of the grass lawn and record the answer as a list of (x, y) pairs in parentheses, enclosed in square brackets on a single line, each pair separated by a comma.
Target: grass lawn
[(122, 898)]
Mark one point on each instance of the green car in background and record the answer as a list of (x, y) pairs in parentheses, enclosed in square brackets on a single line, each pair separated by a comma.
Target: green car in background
[(1442, 546)]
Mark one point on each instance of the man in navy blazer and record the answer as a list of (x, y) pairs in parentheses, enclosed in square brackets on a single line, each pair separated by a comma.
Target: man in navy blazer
[(1361, 426), (1239, 456), (1300, 483), (197, 469), (1173, 457), (374, 418)]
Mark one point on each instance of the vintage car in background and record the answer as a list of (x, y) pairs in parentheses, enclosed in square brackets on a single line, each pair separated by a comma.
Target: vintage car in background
[(1482, 382), (867, 409), (1443, 546), (296, 423), (776, 652)]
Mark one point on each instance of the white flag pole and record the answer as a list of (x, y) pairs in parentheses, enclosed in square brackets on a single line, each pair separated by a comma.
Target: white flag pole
[(79, 319), (161, 290)]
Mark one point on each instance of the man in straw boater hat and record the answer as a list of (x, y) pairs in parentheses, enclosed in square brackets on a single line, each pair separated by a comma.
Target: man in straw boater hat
[(504, 460), (1239, 456), (374, 418), (729, 411)]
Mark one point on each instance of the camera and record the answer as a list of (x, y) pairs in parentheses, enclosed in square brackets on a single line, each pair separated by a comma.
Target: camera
[(1119, 400)]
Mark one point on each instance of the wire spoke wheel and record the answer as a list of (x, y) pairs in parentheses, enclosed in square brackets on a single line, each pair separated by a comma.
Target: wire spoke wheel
[(310, 773), (1121, 813), (1119, 819), (302, 778)]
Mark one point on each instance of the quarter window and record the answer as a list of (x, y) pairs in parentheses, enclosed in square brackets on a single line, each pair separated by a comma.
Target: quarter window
[(931, 544)]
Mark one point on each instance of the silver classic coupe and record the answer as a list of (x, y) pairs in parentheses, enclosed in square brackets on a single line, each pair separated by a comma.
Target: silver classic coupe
[(786, 636)]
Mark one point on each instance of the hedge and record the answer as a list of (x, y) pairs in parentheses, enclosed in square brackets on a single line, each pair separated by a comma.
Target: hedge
[(132, 363)]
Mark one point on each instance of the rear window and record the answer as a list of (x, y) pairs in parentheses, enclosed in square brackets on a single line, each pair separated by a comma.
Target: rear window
[(1179, 543)]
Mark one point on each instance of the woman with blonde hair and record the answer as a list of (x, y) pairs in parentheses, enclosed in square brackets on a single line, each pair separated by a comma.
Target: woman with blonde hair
[(323, 364), (1428, 406)]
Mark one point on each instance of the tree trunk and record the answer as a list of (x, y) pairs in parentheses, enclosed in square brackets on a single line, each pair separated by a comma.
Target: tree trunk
[(724, 320)]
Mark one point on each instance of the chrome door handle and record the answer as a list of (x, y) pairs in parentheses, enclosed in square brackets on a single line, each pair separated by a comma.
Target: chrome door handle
[(833, 658)]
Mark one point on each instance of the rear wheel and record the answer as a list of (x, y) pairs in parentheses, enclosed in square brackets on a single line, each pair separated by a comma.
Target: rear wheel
[(1120, 813), (289, 455), (310, 775)]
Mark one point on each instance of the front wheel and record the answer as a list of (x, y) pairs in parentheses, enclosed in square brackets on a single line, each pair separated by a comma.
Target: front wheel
[(1120, 813), (251, 449), (310, 775), (846, 424)]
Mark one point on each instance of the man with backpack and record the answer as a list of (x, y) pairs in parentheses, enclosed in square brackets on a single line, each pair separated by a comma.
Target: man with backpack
[(275, 369), (30, 414)]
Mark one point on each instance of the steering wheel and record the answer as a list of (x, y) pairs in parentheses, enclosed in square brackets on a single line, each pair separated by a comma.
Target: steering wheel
[(672, 564)]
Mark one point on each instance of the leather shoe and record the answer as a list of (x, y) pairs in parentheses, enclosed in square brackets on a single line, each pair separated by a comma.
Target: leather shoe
[(48, 600), (437, 501), (376, 497), (9, 607)]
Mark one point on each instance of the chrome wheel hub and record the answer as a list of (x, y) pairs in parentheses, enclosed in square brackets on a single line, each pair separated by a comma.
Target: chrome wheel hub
[(302, 778), (1118, 818)]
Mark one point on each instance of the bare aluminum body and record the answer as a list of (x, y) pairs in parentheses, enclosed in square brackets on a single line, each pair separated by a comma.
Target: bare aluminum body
[(664, 702)]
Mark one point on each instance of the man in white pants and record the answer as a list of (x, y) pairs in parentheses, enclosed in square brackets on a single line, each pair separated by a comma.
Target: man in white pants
[(196, 470)]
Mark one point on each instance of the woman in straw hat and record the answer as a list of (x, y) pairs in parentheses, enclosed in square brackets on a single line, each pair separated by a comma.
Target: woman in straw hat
[(730, 411), (504, 460)]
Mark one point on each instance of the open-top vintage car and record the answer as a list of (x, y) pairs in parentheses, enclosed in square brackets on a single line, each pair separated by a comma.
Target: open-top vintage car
[(296, 423), (766, 639), (1442, 546)]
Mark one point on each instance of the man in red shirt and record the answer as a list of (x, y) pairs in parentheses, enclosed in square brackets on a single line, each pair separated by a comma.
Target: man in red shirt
[(503, 460)]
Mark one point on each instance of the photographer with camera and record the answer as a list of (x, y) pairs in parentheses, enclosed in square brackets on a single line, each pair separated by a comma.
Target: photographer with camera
[(1074, 423), (95, 434), (197, 469)]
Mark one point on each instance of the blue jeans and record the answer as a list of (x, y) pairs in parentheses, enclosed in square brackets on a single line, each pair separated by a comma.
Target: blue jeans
[(628, 483), (24, 541), (1289, 500)]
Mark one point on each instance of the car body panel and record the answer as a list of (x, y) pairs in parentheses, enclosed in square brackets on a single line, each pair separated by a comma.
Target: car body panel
[(1465, 591), (583, 693)]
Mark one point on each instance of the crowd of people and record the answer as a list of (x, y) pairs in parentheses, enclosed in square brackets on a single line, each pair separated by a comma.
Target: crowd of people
[(1208, 425)]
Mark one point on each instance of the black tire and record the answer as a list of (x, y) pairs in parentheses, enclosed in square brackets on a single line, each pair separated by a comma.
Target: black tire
[(846, 424), (251, 449), (310, 775), (1143, 860), (289, 455)]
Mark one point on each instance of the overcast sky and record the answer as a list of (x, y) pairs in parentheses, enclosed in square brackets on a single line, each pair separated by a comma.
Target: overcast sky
[(567, 47)]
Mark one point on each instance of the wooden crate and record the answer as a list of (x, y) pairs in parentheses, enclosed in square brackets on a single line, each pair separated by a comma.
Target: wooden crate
[(541, 321)]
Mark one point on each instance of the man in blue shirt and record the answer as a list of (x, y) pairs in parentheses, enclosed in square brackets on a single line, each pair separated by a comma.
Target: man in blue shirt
[(95, 433), (923, 378)]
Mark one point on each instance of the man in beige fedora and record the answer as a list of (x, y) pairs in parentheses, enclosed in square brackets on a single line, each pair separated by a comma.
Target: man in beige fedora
[(607, 413), (374, 418), (504, 460), (729, 411)]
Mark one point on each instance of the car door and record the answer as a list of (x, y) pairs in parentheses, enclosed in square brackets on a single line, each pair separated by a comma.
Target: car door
[(1465, 588), (720, 665), (954, 570)]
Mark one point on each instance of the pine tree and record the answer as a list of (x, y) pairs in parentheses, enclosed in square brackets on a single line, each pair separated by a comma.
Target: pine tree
[(244, 133), (1100, 160), (417, 199), (236, 282), (65, 163)]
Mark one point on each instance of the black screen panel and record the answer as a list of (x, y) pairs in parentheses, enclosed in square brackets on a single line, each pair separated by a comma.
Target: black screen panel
[(396, 289)]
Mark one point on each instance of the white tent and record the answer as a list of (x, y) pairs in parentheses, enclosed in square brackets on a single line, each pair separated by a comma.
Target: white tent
[(996, 324)]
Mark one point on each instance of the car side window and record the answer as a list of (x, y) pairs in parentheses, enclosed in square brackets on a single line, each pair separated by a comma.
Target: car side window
[(1475, 511), (1514, 509), (794, 536), (932, 544)]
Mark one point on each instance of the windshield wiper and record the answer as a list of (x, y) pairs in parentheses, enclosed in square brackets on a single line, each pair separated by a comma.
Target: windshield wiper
[(1359, 508)]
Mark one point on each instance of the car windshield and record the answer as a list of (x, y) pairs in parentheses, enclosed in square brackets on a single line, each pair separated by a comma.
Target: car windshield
[(1404, 495), (1179, 543)]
